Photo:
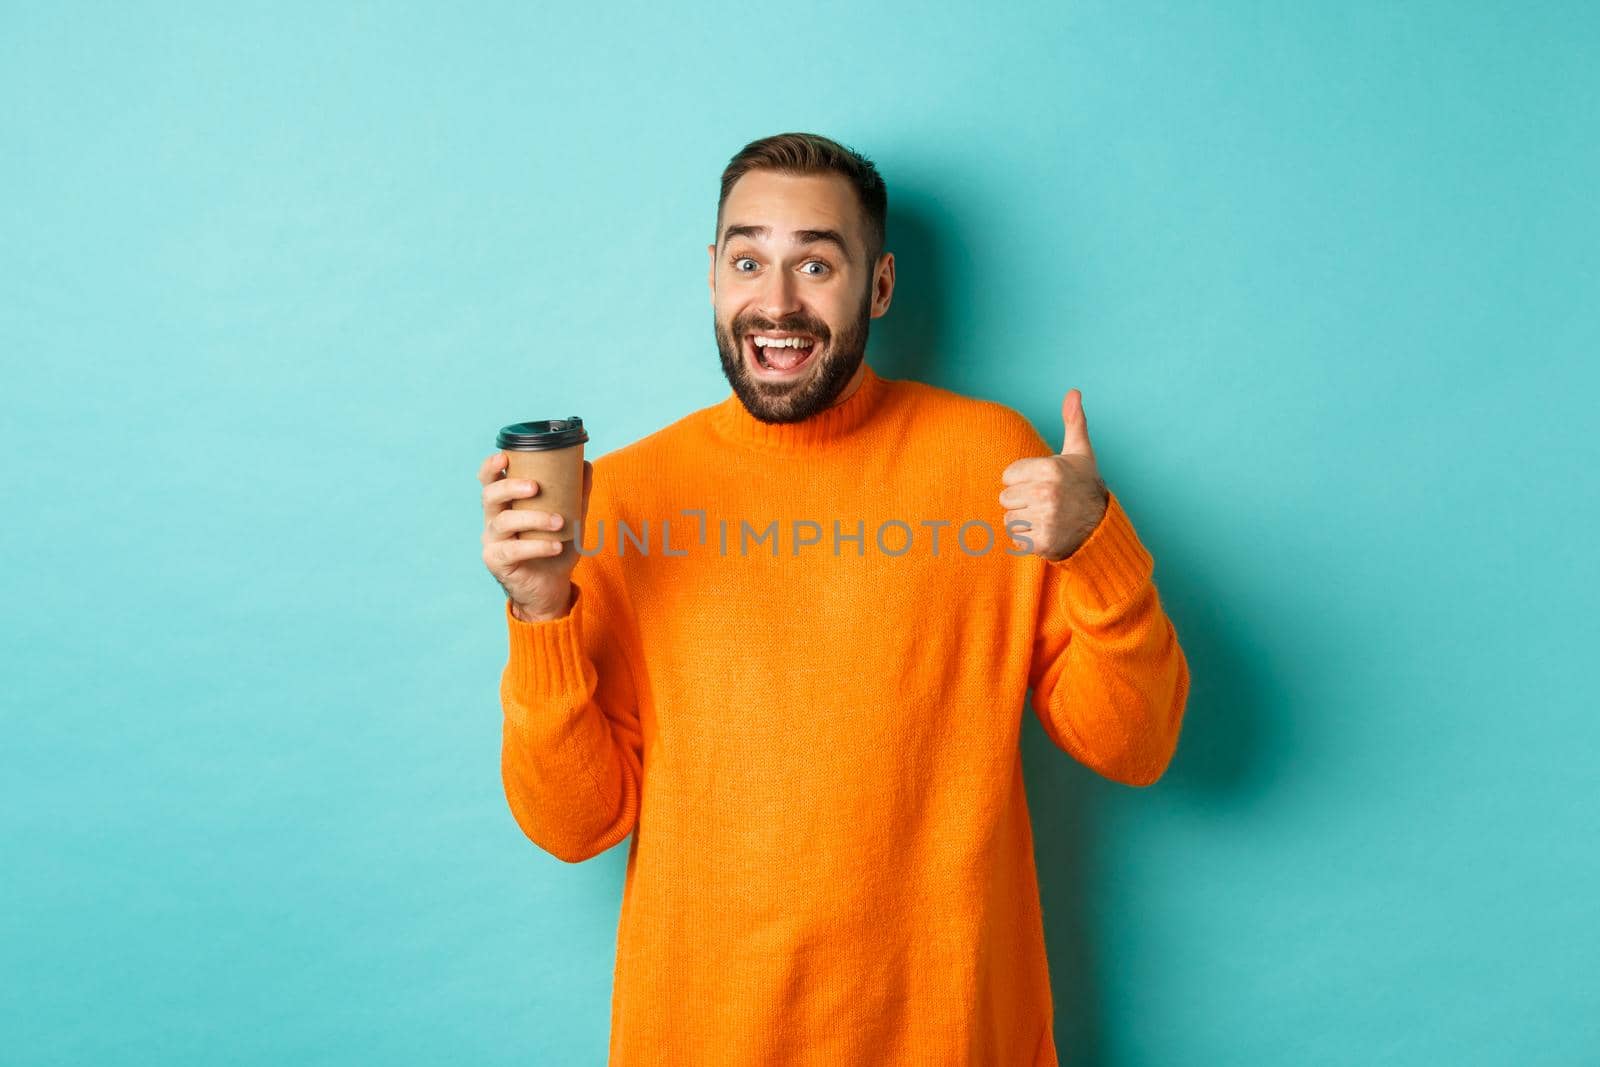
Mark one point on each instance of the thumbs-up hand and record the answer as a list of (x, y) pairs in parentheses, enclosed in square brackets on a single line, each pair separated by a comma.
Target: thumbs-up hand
[(1061, 498)]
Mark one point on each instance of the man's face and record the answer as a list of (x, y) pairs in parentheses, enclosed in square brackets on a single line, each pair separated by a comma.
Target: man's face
[(778, 270)]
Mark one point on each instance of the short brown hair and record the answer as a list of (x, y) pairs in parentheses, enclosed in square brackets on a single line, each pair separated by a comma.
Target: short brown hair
[(810, 153)]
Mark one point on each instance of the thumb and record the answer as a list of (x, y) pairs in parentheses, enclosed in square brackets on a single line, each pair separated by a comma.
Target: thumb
[(1076, 439)]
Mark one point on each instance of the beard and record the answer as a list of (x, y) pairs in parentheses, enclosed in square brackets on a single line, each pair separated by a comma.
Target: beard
[(797, 400)]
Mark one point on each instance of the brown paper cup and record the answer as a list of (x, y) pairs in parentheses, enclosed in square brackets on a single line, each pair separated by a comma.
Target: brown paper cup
[(550, 454), (559, 475)]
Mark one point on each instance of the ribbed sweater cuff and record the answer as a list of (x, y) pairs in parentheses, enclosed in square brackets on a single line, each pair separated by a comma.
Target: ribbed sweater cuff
[(546, 658), (1111, 565)]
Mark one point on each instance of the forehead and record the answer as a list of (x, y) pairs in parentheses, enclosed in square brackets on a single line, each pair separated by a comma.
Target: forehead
[(788, 202)]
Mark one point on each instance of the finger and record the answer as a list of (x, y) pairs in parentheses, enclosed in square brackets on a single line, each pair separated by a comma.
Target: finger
[(512, 521), (490, 469), (1075, 425), (1029, 468), (497, 496), (503, 555), (1017, 525), (1022, 494)]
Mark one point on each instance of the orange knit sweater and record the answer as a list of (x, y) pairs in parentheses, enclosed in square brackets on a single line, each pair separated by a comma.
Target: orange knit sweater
[(806, 713)]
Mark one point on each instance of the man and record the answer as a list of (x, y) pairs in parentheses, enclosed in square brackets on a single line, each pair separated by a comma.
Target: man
[(796, 671)]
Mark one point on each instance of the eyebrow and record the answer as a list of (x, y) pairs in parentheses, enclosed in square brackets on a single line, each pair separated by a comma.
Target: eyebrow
[(805, 237)]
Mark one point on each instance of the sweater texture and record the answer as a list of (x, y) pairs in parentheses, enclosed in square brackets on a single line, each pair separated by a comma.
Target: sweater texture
[(793, 677)]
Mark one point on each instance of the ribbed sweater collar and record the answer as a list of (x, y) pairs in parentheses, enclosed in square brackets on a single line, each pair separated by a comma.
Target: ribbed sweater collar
[(733, 421)]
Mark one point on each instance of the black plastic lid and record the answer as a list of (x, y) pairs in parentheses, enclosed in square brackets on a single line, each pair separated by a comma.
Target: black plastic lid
[(542, 434)]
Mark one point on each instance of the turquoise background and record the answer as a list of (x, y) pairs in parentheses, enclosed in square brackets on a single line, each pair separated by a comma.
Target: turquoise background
[(1327, 275)]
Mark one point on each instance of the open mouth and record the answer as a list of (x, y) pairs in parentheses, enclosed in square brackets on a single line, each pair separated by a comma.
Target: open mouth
[(780, 356)]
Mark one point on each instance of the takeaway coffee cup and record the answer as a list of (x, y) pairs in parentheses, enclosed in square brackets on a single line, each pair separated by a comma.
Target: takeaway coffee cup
[(550, 452)]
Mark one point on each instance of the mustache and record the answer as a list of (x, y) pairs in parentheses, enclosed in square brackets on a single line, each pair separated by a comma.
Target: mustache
[(815, 329)]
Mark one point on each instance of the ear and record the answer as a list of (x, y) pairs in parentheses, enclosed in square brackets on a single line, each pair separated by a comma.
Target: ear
[(883, 284)]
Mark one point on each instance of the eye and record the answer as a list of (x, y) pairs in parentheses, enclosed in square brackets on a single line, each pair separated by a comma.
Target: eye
[(818, 263), (741, 259)]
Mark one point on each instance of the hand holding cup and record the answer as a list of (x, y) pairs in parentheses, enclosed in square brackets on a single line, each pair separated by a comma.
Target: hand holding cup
[(535, 501)]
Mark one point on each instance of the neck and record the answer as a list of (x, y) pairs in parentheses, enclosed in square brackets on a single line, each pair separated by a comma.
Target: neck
[(852, 385), (839, 420)]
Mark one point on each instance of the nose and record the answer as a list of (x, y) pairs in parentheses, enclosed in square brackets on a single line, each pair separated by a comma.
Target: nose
[(779, 295)]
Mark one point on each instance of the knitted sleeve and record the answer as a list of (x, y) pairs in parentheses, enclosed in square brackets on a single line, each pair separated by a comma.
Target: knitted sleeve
[(1109, 678), (572, 749)]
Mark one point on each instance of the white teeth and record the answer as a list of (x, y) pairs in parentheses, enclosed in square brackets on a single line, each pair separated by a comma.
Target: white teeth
[(782, 342)]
